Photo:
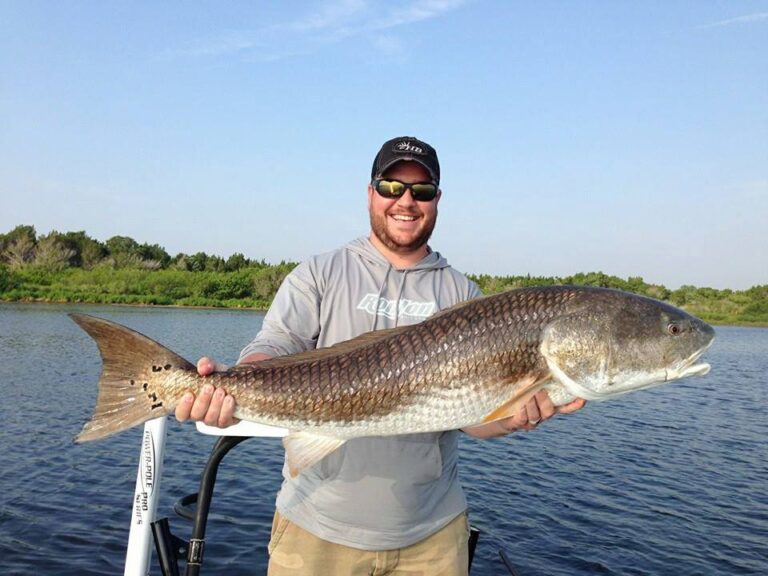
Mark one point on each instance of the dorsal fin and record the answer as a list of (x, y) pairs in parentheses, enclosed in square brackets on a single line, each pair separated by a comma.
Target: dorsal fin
[(459, 306), (322, 353), (352, 344)]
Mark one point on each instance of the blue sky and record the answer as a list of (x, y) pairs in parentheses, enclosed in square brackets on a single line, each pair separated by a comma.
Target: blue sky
[(574, 136)]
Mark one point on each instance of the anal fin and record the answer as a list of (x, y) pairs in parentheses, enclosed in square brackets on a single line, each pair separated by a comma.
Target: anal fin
[(304, 449)]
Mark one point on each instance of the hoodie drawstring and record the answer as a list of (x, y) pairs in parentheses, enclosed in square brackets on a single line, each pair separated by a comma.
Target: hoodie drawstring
[(399, 294), (378, 299)]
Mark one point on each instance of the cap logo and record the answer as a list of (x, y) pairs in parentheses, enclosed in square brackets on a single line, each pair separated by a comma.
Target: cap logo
[(406, 146)]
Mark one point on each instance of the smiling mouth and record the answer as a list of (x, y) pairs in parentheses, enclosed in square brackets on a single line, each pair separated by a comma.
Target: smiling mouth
[(403, 217)]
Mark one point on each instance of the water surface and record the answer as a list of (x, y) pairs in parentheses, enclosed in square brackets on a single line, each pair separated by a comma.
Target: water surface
[(665, 481)]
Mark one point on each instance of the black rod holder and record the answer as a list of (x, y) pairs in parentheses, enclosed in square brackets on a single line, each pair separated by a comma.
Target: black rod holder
[(169, 547), (205, 495)]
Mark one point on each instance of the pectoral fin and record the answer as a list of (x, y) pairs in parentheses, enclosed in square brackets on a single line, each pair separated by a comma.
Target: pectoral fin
[(523, 390), (303, 450)]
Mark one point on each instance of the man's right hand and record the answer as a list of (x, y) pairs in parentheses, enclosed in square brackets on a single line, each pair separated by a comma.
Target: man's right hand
[(213, 405)]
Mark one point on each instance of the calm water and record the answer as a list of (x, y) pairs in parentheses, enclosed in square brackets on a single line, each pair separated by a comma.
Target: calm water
[(667, 481)]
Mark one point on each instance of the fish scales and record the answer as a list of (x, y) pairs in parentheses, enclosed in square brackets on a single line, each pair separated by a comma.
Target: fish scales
[(425, 365)]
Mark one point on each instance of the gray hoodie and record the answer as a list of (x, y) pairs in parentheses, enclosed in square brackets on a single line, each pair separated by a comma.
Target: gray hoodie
[(373, 493)]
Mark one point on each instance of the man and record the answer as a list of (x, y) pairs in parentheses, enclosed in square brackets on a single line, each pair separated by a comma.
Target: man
[(377, 505)]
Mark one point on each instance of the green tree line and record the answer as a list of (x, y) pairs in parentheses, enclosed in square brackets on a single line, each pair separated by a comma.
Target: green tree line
[(73, 267)]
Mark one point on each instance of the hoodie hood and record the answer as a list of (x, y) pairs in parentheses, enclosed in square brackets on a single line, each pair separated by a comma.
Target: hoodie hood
[(366, 249)]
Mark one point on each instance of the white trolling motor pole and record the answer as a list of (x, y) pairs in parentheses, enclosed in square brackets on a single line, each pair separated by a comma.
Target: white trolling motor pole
[(145, 498), (147, 491)]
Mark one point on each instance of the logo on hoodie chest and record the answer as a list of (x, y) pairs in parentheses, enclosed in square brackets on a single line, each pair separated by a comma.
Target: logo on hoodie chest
[(376, 306)]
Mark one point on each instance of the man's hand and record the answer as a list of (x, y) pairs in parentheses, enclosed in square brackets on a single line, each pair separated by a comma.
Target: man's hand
[(213, 405), (538, 409)]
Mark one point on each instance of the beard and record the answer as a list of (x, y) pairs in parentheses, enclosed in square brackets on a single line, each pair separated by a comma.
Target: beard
[(379, 225)]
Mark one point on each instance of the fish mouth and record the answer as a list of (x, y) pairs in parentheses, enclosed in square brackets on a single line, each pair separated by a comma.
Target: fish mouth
[(689, 367)]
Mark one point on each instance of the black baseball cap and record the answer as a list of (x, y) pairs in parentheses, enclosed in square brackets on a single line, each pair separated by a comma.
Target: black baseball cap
[(406, 148)]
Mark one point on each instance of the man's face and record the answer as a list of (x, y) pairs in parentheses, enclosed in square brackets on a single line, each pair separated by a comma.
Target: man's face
[(403, 224)]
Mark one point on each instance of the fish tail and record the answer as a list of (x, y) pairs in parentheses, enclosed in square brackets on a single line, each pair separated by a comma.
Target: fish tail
[(133, 383)]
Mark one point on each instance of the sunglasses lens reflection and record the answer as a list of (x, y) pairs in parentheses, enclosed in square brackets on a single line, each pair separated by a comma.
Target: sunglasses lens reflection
[(390, 188)]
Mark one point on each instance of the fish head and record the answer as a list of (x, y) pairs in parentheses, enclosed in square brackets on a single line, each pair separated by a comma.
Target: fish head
[(613, 342)]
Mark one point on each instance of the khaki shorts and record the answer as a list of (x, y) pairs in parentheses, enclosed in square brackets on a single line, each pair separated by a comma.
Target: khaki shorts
[(295, 552)]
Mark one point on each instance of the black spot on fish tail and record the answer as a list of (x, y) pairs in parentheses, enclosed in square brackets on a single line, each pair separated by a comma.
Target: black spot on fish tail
[(156, 406), (145, 386), (167, 366), (157, 368)]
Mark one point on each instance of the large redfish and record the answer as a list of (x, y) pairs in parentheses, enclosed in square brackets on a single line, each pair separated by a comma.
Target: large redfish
[(474, 363)]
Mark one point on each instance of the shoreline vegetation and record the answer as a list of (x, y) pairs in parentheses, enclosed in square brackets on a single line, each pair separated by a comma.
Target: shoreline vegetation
[(72, 267)]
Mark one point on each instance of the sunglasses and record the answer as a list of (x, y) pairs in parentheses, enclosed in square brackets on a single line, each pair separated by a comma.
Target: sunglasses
[(421, 191)]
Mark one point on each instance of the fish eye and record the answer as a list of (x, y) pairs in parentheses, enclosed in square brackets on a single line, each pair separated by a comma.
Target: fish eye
[(673, 329)]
